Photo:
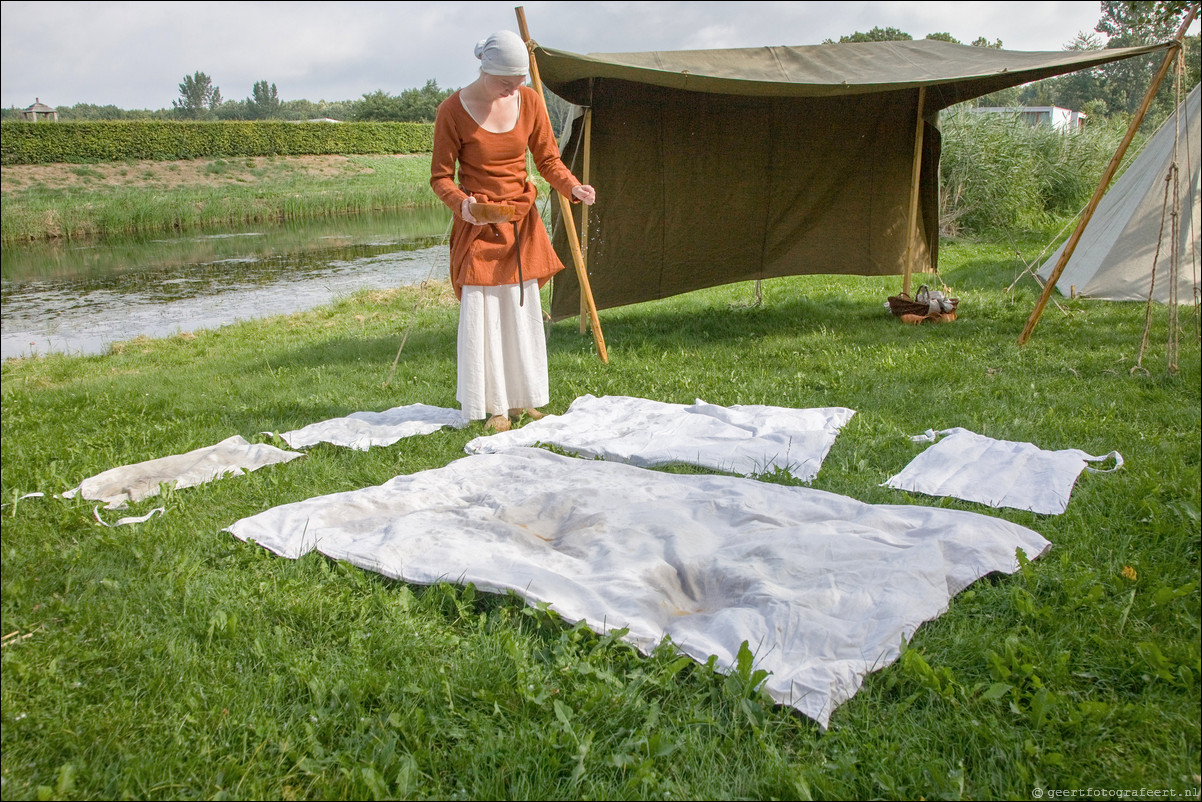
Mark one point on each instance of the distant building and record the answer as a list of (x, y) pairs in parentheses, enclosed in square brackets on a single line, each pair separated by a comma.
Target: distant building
[(1058, 118), (40, 111)]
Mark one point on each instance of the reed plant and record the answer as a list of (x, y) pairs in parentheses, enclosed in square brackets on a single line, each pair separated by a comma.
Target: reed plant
[(169, 660), (275, 191), (998, 172)]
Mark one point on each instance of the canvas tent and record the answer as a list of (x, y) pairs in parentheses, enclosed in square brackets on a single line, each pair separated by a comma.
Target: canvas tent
[(717, 166), (1114, 258)]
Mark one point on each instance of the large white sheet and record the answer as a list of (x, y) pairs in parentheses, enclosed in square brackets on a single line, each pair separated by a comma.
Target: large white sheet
[(822, 587), (747, 440), (362, 430), (232, 456), (1000, 473)]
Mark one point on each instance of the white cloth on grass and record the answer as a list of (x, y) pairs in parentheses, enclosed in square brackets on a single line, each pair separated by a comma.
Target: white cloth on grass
[(747, 440), (232, 456), (823, 588), (129, 521), (362, 430), (1000, 473), (502, 359)]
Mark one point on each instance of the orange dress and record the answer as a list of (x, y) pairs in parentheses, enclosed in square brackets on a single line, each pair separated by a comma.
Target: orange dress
[(493, 166)]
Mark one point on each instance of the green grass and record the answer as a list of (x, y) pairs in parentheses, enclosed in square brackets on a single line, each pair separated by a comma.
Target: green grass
[(280, 191), (85, 172), (170, 660)]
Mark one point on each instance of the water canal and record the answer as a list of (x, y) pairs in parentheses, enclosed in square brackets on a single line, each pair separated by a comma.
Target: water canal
[(80, 298)]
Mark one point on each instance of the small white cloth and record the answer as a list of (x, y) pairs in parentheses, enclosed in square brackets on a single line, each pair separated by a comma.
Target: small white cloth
[(362, 430), (232, 456), (747, 440), (130, 521), (502, 359), (822, 588), (1000, 473)]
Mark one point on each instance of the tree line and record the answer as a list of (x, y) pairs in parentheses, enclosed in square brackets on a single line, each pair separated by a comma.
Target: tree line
[(1116, 89), (1112, 90), (200, 99)]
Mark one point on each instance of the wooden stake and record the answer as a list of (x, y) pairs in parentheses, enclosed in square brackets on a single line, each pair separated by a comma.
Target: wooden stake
[(915, 179), (565, 208), (584, 177), (1104, 183)]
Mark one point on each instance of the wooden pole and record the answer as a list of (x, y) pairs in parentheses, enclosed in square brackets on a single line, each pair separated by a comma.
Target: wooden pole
[(585, 173), (565, 208), (915, 180), (1104, 183)]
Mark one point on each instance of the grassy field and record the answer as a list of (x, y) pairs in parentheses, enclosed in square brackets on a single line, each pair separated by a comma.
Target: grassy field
[(82, 200), (170, 660)]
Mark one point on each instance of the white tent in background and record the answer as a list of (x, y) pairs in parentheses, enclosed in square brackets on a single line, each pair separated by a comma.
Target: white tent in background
[(1114, 259)]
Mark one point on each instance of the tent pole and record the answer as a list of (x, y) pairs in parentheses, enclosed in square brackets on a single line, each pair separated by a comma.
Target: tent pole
[(584, 175), (1104, 183), (565, 208), (915, 178)]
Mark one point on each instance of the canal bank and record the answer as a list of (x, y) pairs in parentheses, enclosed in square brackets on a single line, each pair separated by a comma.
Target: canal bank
[(82, 297)]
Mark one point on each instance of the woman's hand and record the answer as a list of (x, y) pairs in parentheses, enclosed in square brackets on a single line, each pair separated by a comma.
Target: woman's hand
[(465, 210), (585, 194)]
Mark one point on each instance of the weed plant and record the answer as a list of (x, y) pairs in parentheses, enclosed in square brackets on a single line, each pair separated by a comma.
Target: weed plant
[(169, 660)]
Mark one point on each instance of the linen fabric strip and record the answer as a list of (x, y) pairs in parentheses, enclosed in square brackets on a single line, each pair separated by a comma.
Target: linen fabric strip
[(232, 456), (747, 440), (362, 430)]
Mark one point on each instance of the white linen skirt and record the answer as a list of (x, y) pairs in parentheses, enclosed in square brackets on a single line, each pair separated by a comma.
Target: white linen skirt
[(502, 351)]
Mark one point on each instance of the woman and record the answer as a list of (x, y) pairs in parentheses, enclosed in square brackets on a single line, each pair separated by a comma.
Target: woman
[(497, 268)]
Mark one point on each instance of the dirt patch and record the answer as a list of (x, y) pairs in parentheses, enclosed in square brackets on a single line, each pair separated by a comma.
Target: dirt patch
[(168, 174)]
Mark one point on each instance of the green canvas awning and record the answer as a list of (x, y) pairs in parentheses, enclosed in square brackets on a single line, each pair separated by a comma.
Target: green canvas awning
[(717, 166)]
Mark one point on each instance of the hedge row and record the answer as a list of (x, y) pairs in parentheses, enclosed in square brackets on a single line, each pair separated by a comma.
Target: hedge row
[(89, 142)]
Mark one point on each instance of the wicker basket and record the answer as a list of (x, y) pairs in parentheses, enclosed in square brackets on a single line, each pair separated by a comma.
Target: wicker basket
[(922, 307)]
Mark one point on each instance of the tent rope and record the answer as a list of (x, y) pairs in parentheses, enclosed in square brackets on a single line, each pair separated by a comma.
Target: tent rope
[(1169, 185), (1030, 267), (1170, 211), (759, 297), (421, 296)]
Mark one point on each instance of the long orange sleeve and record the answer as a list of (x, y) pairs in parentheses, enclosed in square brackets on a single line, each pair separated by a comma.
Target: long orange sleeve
[(493, 166)]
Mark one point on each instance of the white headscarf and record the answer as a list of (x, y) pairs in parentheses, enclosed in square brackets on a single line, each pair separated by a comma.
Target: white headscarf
[(503, 53)]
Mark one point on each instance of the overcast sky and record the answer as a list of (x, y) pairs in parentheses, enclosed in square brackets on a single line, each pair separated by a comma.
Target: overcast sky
[(135, 54)]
